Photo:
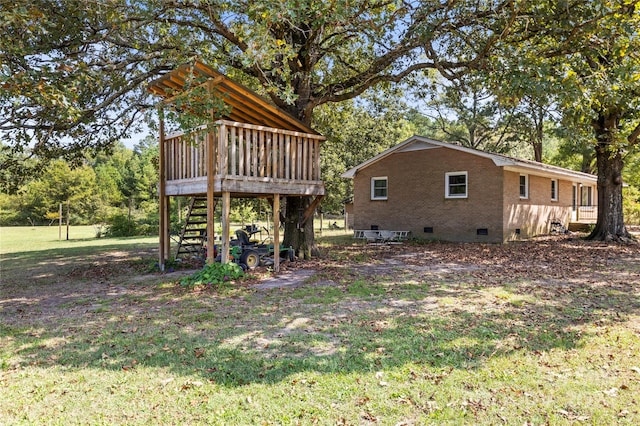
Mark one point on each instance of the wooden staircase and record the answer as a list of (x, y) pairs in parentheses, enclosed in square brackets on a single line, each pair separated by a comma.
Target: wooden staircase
[(193, 237)]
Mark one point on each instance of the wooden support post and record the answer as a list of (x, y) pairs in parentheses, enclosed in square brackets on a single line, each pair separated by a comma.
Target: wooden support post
[(211, 174), (163, 225), (60, 223), (211, 170), (68, 217), (167, 230), (276, 233), (224, 252)]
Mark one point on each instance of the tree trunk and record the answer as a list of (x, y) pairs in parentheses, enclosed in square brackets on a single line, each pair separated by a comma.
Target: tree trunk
[(301, 239), (537, 150), (537, 141), (610, 225)]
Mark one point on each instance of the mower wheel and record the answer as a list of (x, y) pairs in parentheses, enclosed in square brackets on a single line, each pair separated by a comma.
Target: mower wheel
[(251, 258)]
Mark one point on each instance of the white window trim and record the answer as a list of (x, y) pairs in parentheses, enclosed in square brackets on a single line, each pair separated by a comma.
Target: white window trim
[(373, 180), (554, 196), (446, 185), (526, 187)]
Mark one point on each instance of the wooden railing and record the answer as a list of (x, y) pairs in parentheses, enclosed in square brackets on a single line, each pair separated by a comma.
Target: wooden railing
[(185, 155), (244, 150), (586, 213)]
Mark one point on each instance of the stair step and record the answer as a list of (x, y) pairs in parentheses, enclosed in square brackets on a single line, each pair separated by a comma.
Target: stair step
[(194, 230)]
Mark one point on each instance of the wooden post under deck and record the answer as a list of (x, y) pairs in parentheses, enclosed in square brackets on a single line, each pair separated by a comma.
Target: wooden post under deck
[(211, 156), (167, 224), (224, 251), (276, 232), (211, 174), (163, 225)]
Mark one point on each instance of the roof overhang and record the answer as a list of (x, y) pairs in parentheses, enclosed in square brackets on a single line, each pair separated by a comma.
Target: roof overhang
[(418, 143), (245, 106)]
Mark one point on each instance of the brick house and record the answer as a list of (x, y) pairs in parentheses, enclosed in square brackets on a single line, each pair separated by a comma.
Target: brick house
[(438, 190)]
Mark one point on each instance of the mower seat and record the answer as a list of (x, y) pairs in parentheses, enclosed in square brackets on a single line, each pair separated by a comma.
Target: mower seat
[(243, 237)]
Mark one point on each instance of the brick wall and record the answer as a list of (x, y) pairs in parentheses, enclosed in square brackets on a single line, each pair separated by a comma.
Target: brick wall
[(416, 196), (533, 215)]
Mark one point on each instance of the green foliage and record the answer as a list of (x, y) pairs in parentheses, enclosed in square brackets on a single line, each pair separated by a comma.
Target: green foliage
[(214, 274), (9, 215), (465, 112), (75, 75), (631, 205), (39, 200), (632, 169), (104, 186), (191, 109), (120, 225), (243, 211), (356, 131), (123, 225)]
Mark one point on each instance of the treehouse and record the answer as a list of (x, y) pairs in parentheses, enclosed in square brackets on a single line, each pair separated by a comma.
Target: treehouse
[(249, 148)]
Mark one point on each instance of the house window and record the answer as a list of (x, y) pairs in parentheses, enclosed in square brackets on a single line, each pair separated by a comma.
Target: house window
[(524, 186), (455, 185), (554, 190), (379, 188), (586, 196)]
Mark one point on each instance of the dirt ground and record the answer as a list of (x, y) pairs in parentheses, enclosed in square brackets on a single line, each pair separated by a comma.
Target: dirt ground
[(557, 264)]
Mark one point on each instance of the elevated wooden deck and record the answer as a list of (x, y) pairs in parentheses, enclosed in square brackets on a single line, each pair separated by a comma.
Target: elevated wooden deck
[(250, 161), (255, 149)]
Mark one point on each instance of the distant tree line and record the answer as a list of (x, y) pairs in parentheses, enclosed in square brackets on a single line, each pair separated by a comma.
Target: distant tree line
[(117, 189)]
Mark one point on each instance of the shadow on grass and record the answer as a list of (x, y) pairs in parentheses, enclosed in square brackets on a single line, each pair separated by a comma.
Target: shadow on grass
[(16, 259), (239, 337), (27, 264)]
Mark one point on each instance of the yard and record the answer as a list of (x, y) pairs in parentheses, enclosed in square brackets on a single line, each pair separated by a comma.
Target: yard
[(540, 332)]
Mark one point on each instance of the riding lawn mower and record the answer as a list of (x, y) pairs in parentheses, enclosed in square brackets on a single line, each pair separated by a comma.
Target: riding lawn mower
[(249, 252)]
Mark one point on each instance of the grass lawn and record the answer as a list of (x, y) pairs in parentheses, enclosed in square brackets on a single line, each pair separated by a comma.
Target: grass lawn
[(540, 332)]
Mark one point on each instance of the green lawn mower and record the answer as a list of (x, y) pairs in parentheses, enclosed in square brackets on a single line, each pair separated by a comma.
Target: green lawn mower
[(250, 253)]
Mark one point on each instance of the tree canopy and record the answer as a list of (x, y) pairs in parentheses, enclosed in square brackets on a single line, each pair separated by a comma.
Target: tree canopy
[(585, 55), (74, 72)]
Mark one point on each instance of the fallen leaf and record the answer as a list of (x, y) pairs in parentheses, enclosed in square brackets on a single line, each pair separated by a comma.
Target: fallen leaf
[(369, 417), (166, 381), (362, 401)]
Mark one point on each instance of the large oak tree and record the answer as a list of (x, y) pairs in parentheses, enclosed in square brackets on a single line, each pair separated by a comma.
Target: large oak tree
[(73, 72), (584, 54)]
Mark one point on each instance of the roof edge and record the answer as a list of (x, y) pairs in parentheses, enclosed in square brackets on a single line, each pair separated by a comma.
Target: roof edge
[(203, 70), (499, 160)]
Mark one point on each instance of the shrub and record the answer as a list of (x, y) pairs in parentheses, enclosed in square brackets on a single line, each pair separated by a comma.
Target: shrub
[(214, 274), (121, 226)]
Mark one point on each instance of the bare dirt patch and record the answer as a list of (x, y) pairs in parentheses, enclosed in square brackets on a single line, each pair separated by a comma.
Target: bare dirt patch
[(550, 262), (555, 267)]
